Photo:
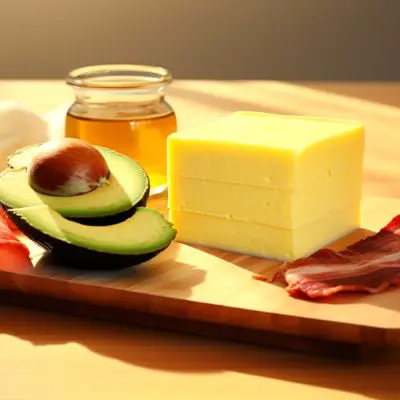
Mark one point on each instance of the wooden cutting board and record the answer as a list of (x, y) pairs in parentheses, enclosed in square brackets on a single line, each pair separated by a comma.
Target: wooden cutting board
[(212, 292)]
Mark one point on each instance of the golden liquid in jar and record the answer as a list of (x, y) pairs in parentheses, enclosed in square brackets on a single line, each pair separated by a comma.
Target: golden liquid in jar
[(144, 140)]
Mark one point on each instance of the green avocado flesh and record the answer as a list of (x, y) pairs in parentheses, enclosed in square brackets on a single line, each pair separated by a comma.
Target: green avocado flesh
[(108, 228), (128, 186), (146, 231)]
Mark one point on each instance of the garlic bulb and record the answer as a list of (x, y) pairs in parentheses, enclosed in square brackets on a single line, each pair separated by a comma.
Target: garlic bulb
[(19, 127)]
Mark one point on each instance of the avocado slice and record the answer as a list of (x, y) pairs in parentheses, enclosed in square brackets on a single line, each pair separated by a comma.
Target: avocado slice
[(133, 241), (128, 188)]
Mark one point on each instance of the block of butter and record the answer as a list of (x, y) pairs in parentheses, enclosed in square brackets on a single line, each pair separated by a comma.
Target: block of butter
[(273, 186)]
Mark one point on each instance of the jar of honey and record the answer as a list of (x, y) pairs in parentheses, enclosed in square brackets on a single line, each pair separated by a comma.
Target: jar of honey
[(123, 107)]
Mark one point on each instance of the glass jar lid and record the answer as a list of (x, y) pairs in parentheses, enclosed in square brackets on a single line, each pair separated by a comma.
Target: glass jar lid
[(119, 76)]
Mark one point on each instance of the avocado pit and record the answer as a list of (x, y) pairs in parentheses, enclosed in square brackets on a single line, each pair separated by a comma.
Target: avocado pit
[(67, 167)]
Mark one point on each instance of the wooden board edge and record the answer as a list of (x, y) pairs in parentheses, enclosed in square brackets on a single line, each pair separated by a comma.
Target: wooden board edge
[(90, 295), (129, 317)]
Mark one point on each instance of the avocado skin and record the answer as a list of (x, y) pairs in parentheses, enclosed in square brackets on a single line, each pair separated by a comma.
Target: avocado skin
[(69, 255), (113, 219)]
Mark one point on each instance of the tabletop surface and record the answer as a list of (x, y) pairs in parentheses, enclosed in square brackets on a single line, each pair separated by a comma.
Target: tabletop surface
[(58, 357)]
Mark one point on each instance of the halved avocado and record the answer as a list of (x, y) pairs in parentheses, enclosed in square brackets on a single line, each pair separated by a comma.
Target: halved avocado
[(133, 241), (128, 188)]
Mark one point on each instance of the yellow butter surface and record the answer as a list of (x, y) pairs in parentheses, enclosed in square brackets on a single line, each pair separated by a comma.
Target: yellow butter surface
[(258, 149), (273, 177), (260, 239), (274, 207)]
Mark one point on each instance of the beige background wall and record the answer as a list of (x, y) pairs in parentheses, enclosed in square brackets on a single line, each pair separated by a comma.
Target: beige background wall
[(279, 39)]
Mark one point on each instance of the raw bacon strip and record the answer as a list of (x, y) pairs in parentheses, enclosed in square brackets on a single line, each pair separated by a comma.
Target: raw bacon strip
[(14, 255), (370, 265), (6, 219)]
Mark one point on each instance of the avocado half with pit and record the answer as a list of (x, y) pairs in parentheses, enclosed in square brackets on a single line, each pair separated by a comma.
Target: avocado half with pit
[(109, 227), (127, 189)]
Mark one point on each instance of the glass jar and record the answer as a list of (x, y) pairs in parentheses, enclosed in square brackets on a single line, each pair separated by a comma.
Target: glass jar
[(123, 107)]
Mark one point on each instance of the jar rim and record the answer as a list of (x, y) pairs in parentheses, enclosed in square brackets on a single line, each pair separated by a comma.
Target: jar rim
[(119, 76)]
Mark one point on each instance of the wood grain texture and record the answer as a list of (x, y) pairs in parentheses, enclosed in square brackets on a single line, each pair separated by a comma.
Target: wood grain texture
[(217, 287)]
